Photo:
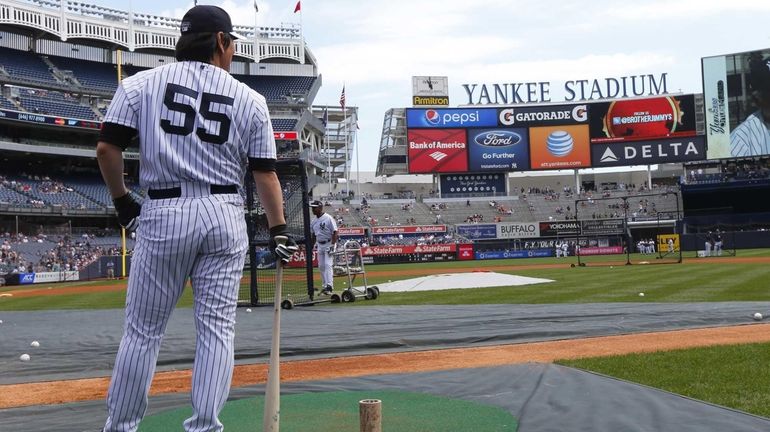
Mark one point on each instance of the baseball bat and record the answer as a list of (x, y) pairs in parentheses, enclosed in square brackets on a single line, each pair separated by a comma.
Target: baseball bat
[(272, 416)]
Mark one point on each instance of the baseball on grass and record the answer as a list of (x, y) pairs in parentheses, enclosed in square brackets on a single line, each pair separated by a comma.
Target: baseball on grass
[(34, 344), (24, 357), (758, 316), (641, 294)]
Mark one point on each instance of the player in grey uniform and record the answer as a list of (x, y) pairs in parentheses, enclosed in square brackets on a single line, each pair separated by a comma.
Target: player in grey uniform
[(752, 137), (198, 129), (324, 234)]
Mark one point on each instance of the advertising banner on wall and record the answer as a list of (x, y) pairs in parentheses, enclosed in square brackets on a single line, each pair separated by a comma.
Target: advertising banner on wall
[(450, 117), (514, 230), (559, 147), (437, 151), (609, 250), (559, 228), (49, 120), (717, 108), (648, 152), (409, 229), (498, 149), (601, 226), (643, 119), (351, 231), (458, 185), (477, 231), (505, 254), (544, 115)]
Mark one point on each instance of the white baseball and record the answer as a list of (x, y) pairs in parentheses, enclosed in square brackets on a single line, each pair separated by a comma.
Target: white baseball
[(641, 294), (24, 357), (758, 316), (248, 310), (35, 344), (1, 321)]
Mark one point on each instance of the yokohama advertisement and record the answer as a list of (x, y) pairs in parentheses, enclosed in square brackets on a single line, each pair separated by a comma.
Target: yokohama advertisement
[(437, 151), (610, 250)]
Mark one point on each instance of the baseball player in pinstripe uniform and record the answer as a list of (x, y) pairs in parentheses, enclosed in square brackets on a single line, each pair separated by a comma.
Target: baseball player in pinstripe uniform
[(752, 137), (324, 234), (198, 130)]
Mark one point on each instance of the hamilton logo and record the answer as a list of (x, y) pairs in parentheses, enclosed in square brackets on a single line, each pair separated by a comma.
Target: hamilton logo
[(608, 156)]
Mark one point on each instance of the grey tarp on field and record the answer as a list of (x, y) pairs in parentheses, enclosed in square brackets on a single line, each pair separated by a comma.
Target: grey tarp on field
[(76, 344)]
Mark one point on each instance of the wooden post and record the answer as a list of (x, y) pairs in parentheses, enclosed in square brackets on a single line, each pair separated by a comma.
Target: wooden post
[(370, 412)]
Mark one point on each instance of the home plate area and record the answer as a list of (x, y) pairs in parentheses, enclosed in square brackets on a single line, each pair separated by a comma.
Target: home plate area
[(459, 281)]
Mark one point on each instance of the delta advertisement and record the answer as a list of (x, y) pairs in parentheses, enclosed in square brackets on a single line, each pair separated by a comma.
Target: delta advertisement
[(459, 185), (648, 152), (498, 149), (437, 151)]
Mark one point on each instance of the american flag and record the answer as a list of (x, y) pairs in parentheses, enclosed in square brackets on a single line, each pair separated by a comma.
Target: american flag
[(342, 98)]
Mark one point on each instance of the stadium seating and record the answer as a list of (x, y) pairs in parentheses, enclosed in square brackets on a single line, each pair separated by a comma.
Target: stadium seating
[(280, 124), (26, 66), (276, 89), (90, 75), (54, 103), (6, 104), (10, 196)]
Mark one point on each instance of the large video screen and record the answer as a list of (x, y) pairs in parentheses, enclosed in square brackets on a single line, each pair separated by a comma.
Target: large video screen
[(551, 137), (736, 93)]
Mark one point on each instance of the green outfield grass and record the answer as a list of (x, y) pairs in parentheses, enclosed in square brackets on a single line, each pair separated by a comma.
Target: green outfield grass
[(709, 280), (735, 376)]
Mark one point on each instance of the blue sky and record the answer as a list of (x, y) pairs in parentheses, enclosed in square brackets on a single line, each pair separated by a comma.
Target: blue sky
[(376, 46)]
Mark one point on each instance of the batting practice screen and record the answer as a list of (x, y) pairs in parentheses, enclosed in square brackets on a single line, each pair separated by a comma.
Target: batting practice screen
[(260, 264)]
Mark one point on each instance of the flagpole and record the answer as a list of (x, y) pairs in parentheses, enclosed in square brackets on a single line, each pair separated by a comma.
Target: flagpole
[(301, 37), (358, 168), (328, 149), (346, 171)]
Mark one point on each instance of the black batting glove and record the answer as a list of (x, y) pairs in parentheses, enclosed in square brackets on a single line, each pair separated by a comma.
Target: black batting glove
[(128, 211), (281, 244)]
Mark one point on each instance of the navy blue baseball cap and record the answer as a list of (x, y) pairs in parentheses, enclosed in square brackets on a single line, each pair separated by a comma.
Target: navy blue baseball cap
[(207, 19)]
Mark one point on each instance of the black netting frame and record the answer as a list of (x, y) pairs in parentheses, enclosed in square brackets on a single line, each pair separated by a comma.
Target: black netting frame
[(297, 280)]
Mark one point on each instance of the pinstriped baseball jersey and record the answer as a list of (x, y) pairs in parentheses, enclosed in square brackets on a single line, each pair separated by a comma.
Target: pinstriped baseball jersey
[(323, 227), (197, 127), (196, 123), (751, 138)]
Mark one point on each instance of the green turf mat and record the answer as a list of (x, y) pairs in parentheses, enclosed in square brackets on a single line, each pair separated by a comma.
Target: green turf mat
[(338, 412)]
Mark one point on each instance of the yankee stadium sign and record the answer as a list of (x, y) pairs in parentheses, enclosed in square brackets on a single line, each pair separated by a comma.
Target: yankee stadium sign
[(574, 90)]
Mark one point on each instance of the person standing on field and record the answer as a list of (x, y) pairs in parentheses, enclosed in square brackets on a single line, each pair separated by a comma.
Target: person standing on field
[(324, 234), (198, 130)]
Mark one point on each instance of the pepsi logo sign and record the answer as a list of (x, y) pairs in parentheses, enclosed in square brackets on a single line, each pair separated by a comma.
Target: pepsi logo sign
[(497, 138), (432, 117)]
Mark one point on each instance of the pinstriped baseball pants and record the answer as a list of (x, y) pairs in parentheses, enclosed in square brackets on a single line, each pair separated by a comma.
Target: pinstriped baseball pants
[(204, 238)]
